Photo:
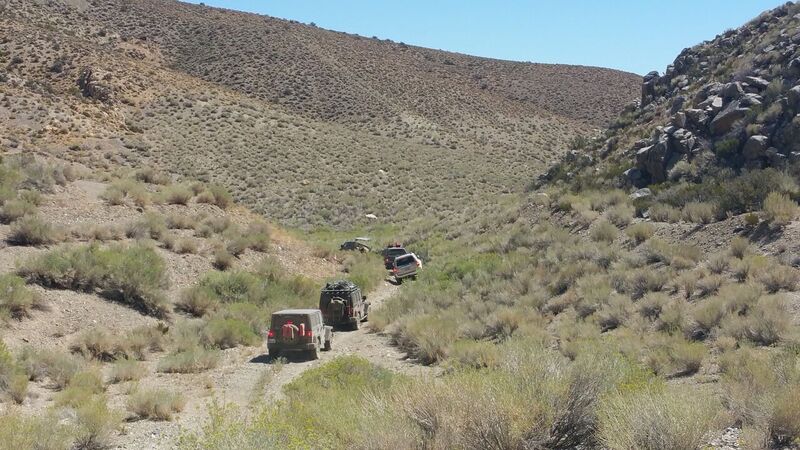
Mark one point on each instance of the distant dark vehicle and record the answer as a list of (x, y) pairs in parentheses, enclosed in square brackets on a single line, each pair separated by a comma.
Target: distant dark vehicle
[(405, 266), (343, 305), (391, 252), (356, 244), (298, 330)]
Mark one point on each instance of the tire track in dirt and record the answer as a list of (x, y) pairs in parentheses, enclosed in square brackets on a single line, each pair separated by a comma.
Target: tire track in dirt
[(237, 382)]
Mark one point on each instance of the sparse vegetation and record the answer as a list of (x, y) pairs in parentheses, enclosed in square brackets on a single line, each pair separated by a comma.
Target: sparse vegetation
[(132, 274), (156, 404)]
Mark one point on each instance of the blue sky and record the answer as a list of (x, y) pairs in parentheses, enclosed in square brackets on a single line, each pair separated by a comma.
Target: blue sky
[(633, 35)]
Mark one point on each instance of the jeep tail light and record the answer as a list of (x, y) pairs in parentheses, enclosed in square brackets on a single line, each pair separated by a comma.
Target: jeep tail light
[(395, 270), (271, 333), (417, 263), (309, 333)]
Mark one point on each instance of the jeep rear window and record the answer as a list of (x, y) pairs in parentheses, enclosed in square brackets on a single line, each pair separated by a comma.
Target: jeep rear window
[(405, 261), (279, 321), (395, 252)]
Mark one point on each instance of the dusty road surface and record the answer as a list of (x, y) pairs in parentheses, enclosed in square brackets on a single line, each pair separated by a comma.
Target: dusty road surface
[(247, 375)]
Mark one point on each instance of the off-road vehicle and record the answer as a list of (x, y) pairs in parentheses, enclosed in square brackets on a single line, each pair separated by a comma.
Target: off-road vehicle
[(343, 305), (298, 330), (405, 266), (359, 243), (391, 252)]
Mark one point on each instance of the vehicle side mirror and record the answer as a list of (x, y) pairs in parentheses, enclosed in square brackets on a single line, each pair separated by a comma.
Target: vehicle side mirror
[(363, 297)]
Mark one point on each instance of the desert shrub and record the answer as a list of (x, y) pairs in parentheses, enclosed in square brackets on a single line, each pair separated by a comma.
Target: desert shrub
[(473, 354), (223, 260), (739, 247), (237, 245), (32, 230), (656, 419), (258, 236), (765, 324), (120, 190), (699, 212), (217, 195), (95, 423), (16, 209), (156, 404), (783, 421), (674, 356), (82, 386), (16, 299), (13, 379), (152, 176), (709, 285), (127, 370), (176, 194), (642, 281), (779, 209), (190, 360), (687, 282), (218, 224), (56, 366), (39, 432), (620, 215), (750, 266), (133, 275), (177, 221), (776, 277), (97, 343), (149, 226), (185, 246), (198, 301), (604, 231), (640, 232), (365, 270), (718, 263), (614, 313), (664, 213), (228, 333), (674, 316), (428, 338)]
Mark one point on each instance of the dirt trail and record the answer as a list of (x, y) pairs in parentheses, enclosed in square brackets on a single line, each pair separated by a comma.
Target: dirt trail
[(248, 376)]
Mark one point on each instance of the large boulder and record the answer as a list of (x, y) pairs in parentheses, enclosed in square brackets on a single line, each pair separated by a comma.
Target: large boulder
[(794, 97), (656, 160), (755, 147), (732, 91), (756, 83), (723, 122), (649, 88), (91, 86)]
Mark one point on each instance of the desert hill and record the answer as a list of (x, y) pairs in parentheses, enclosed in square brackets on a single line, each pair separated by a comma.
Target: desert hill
[(308, 126)]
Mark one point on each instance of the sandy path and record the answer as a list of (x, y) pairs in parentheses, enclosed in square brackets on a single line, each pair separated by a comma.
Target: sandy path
[(249, 377)]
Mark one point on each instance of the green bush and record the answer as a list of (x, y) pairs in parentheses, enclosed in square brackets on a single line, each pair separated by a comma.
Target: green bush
[(176, 194), (217, 195), (779, 209), (228, 333), (40, 432), (640, 232), (16, 299), (95, 424), (13, 379), (32, 230), (156, 404), (127, 370), (149, 226), (191, 360), (16, 209), (134, 275), (56, 366), (664, 213), (657, 419), (604, 231), (699, 212)]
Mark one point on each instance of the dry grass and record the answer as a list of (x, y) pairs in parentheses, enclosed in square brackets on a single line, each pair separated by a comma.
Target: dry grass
[(156, 404)]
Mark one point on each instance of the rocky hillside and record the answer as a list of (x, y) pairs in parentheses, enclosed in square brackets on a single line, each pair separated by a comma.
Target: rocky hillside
[(724, 109), (308, 126)]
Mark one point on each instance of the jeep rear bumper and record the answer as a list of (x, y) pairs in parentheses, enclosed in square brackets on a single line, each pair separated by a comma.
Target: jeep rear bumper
[(291, 347)]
